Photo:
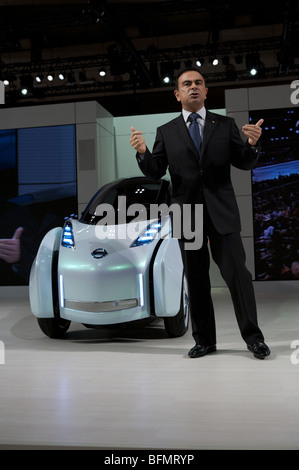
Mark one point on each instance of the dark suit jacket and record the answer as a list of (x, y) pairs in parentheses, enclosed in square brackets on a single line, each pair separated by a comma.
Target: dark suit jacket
[(221, 147)]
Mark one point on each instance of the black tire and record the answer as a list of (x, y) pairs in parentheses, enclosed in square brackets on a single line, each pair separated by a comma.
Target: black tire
[(178, 325), (54, 328)]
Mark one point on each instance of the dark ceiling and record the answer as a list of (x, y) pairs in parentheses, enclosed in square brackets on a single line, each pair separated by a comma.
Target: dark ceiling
[(41, 34)]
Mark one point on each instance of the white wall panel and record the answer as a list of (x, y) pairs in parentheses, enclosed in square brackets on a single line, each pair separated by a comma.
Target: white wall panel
[(37, 116), (236, 100), (271, 97), (245, 208), (87, 176)]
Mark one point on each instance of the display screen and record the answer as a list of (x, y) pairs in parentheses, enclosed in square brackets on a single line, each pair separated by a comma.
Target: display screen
[(275, 196), (8, 163), (38, 191)]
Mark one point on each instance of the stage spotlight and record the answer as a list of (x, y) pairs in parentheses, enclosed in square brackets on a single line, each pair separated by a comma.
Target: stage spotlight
[(102, 72), (167, 75), (39, 78), (253, 63), (8, 79), (214, 61), (61, 75), (50, 76), (200, 62), (26, 82)]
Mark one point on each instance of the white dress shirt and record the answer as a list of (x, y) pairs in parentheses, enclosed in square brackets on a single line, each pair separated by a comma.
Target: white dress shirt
[(201, 122)]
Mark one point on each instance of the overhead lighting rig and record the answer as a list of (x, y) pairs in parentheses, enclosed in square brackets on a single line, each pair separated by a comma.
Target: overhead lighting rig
[(236, 56)]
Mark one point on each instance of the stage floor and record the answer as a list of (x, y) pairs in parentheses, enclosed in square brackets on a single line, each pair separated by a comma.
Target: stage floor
[(136, 388)]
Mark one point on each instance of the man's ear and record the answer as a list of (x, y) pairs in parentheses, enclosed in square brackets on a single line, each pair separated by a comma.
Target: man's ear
[(176, 94)]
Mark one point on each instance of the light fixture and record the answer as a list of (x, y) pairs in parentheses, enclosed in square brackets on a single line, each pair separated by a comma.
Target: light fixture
[(8, 78), (200, 62), (214, 61), (167, 75), (253, 63), (61, 75), (39, 78), (50, 76), (26, 83), (102, 72)]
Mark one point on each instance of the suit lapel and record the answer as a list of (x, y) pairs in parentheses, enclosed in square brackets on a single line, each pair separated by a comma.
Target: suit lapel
[(211, 123), (184, 134), (210, 126)]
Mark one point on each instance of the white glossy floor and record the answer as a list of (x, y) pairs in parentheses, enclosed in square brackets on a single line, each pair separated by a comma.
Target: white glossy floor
[(137, 389)]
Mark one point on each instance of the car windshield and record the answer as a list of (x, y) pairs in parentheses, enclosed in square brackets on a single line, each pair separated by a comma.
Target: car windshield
[(119, 196)]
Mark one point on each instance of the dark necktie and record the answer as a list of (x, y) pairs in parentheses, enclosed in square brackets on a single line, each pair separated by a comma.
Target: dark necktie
[(194, 131)]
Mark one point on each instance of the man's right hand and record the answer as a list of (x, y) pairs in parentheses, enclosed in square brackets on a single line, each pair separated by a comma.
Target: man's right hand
[(137, 141)]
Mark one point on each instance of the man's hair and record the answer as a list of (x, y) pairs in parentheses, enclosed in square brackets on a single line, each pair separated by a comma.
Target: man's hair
[(189, 69)]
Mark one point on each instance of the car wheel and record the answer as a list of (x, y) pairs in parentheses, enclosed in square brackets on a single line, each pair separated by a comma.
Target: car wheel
[(53, 327), (178, 325)]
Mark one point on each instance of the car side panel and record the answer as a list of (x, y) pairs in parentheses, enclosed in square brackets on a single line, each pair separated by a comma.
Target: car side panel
[(168, 276), (40, 282)]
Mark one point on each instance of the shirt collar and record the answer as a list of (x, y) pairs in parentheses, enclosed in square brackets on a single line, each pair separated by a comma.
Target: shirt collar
[(202, 112)]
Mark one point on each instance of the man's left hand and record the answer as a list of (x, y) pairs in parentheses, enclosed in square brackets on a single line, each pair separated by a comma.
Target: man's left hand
[(253, 132)]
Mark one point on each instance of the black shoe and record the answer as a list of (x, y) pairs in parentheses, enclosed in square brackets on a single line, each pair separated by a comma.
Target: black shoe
[(259, 350), (200, 350)]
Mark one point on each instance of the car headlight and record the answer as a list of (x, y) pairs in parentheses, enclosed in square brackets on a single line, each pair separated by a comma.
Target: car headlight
[(148, 235), (67, 235)]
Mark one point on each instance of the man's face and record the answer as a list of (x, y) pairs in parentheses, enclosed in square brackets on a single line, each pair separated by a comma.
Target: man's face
[(192, 91)]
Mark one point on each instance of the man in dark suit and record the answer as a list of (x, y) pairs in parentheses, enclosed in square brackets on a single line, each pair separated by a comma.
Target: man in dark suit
[(200, 174)]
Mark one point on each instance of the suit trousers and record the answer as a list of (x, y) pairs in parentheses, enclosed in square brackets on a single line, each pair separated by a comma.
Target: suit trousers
[(228, 253)]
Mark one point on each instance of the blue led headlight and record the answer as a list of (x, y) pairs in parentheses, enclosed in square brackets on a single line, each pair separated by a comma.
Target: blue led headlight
[(67, 235), (148, 235)]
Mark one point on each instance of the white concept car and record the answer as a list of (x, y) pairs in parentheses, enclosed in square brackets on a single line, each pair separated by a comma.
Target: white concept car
[(111, 266)]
